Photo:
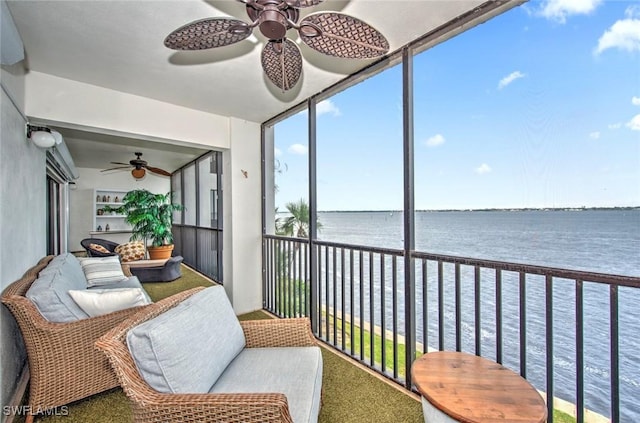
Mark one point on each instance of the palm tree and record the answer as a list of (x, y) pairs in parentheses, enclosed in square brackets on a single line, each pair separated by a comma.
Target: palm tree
[(295, 225), (298, 223)]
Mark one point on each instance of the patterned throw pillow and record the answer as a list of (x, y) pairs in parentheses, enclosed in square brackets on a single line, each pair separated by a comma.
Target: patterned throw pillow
[(99, 248), (131, 251), (101, 271)]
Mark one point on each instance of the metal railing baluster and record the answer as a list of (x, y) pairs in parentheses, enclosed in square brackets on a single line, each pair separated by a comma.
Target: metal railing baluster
[(458, 307), (579, 352), (548, 294), (615, 354), (499, 316), (478, 322), (351, 301), (440, 306), (394, 307), (383, 309)]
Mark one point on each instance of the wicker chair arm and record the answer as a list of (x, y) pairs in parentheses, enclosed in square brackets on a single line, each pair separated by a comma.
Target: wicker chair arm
[(278, 333), (222, 408), (24, 308)]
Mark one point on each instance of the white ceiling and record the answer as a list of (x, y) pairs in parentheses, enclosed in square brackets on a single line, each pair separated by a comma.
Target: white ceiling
[(119, 45)]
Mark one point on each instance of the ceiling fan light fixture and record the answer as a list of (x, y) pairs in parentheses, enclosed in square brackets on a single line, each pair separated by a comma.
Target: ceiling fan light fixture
[(138, 173)]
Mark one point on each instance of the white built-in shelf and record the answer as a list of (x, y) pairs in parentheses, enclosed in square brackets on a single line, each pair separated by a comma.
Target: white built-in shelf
[(105, 197)]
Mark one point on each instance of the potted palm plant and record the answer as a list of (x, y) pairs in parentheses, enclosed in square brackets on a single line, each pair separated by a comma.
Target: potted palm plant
[(150, 216)]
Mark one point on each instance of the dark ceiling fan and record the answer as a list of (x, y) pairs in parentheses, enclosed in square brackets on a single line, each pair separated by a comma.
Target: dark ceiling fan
[(138, 167), (331, 33)]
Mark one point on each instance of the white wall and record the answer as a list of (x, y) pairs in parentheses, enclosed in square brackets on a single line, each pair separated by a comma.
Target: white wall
[(69, 103), (242, 217), (22, 216), (81, 199)]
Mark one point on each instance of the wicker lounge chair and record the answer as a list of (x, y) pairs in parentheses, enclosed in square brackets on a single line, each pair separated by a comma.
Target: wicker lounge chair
[(64, 364), (150, 405)]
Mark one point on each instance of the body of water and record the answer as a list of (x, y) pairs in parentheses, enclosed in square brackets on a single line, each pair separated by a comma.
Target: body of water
[(604, 241)]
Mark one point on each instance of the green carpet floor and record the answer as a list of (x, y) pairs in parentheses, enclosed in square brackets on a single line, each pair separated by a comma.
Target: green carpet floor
[(350, 394)]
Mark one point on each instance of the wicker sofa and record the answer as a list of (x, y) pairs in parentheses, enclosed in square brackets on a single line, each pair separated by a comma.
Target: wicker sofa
[(64, 364), (274, 374)]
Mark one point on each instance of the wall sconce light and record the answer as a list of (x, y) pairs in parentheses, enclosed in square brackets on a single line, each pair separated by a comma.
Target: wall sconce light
[(41, 136)]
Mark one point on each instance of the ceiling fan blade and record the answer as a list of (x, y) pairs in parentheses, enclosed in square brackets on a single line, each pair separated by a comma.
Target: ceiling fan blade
[(299, 4), (282, 62), (116, 168), (158, 170), (119, 163), (340, 35), (208, 33)]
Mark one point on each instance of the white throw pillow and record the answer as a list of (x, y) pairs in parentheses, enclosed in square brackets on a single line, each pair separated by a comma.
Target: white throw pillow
[(101, 271), (96, 302)]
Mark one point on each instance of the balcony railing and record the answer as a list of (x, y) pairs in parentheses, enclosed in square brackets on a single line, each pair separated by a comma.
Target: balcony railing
[(561, 329)]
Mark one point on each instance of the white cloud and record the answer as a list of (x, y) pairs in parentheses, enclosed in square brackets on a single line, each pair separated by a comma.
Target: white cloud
[(509, 79), (634, 123), (277, 152), (623, 34), (298, 149), (435, 140), (483, 168), (616, 125), (327, 106), (559, 10), (594, 135), (635, 101)]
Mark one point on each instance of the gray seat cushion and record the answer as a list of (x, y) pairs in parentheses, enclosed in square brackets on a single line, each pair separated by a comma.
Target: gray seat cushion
[(295, 372), (186, 348)]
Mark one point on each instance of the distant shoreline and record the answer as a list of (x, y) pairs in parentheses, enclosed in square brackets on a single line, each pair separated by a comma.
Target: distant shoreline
[(490, 209)]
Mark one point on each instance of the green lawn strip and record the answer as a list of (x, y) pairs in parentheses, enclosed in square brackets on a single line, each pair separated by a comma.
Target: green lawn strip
[(558, 416)]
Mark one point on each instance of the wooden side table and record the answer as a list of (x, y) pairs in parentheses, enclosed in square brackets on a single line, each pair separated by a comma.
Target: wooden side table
[(460, 387)]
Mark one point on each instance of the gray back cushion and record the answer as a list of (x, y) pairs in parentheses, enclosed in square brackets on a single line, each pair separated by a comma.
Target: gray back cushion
[(186, 349), (50, 291)]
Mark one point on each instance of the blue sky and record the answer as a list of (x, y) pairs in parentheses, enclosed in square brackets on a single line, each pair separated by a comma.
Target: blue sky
[(539, 107)]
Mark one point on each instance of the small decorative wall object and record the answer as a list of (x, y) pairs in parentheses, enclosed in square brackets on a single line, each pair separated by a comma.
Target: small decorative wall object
[(106, 228), (98, 198), (104, 198), (100, 212), (115, 200), (99, 228), (108, 198)]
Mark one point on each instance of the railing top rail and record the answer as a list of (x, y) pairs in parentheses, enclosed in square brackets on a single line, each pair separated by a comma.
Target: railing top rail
[(368, 249), (581, 275), (287, 238)]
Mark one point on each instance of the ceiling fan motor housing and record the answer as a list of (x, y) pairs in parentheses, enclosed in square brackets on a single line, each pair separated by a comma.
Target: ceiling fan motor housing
[(273, 17)]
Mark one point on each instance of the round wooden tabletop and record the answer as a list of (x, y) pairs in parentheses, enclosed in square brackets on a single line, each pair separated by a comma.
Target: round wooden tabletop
[(473, 389)]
